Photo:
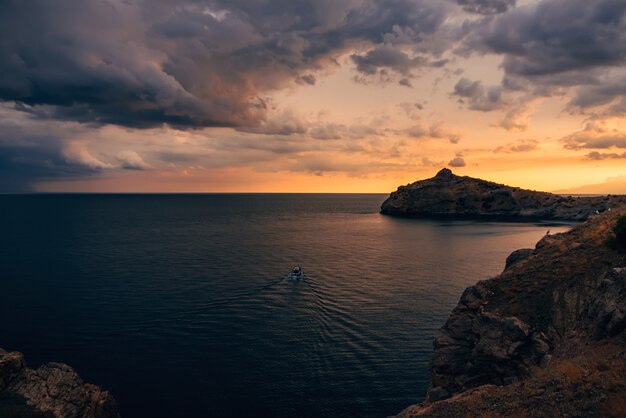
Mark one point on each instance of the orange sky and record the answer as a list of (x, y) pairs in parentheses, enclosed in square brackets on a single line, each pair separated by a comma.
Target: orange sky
[(386, 156), (345, 96)]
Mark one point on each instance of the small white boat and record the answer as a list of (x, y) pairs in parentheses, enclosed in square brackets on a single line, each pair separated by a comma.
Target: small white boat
[(296, 273)]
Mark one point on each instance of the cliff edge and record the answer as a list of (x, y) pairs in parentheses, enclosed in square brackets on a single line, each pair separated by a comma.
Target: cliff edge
[(547, 337), (54, 390), (449, 195)]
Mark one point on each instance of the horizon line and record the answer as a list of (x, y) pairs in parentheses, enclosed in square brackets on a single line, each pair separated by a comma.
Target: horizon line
[(179, 193)]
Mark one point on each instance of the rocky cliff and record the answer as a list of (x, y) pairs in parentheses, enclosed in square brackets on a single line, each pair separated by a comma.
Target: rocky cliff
[(544, 338), (54, 390), (449, 195)]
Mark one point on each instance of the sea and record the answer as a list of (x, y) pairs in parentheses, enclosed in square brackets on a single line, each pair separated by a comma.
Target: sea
[(181, 306)]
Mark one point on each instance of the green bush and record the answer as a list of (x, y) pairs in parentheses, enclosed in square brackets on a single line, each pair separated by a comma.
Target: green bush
[(620, 232)]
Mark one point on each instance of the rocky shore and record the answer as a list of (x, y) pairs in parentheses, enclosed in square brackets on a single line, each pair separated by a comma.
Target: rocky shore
[(449, 195), (54, 390), (545, 338)]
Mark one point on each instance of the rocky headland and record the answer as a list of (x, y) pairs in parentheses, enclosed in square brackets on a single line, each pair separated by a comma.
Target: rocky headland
[(545, 338), (449, 195), (54, 390)]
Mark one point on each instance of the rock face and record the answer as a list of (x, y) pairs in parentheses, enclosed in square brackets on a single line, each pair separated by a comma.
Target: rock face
[(52, 391), (550, 330), (448, 195)]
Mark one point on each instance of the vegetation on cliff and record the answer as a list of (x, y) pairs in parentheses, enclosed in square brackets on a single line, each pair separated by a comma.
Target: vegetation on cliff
[(620, 232)]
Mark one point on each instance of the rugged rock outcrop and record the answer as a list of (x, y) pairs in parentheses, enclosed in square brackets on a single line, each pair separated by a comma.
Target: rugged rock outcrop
[(547, 337), (589, 384), (54, 390), (449, 195)]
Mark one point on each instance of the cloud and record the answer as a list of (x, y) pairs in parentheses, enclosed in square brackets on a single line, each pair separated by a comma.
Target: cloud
[(417, 131), (360, 131), (320, 164), (286, 123), (608, 92), (130, 160), (595, 155), (436, 130), (387, 57), (329, 131), (91, 62), (595, 135), (517, 116), (334, 131), (524, 145), (385, 61), (571, 48), (427, 162), (457, 161), (555, 36), (478, 96), (412, 110), (581, 140), (187, 64), (454, 139), (31, 152), (486, 7), (35, 151), (33, 159), (77, 153), (82, 67), (309, 79)]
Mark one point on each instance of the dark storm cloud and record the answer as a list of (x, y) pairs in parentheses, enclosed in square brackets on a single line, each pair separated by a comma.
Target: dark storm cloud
[(386, 56), (478, 96), (87, 61), (185, 63), (28, 155), (605, 92), (486, 7), (555, 36), (556, 45)]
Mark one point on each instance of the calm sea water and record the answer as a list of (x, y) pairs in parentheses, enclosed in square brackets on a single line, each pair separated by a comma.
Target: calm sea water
[(179, 304)]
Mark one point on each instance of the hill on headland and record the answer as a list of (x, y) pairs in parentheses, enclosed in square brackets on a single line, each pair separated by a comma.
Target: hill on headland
[(449, 195)]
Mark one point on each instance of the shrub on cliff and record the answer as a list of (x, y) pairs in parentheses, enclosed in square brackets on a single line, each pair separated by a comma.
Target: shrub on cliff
[(620, 232)]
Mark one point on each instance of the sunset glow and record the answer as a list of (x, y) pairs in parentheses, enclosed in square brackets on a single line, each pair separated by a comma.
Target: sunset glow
[(311, 96)]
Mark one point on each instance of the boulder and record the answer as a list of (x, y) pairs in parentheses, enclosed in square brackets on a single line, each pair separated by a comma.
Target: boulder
[(54, 390)]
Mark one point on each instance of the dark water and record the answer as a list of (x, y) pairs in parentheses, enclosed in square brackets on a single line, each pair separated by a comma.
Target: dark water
[(179, 305)]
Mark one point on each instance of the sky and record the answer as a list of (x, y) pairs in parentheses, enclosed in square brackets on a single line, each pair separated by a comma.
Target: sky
[(310, 95)]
